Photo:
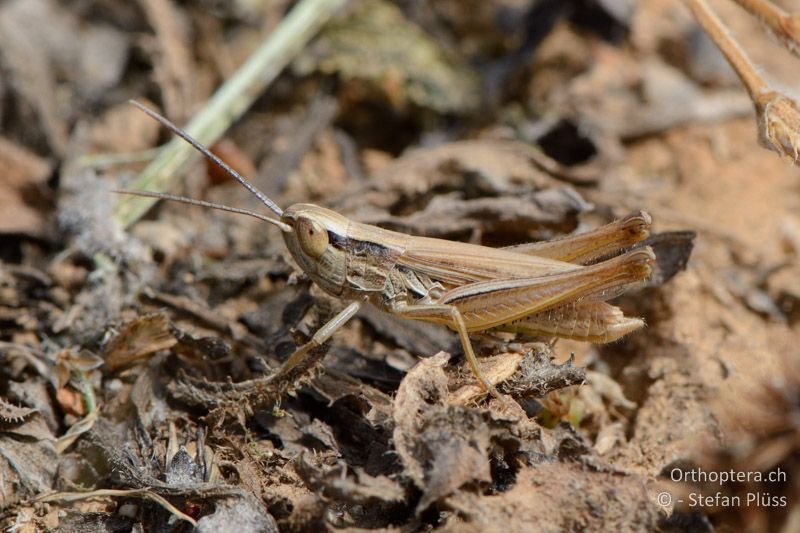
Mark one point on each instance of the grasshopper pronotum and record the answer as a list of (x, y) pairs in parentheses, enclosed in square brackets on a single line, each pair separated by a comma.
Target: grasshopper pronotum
[(551, 288)]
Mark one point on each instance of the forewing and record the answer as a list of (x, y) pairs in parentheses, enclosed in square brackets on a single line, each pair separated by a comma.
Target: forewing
[(455, 263)]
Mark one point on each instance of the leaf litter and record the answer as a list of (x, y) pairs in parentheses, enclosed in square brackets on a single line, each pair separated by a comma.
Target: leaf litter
[(138, 385)]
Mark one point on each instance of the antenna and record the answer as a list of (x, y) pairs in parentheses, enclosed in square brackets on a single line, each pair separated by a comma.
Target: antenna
[(207, 153), (203, 203)]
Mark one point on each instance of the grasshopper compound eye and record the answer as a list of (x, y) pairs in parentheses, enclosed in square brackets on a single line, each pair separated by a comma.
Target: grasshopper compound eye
[(312, 237)]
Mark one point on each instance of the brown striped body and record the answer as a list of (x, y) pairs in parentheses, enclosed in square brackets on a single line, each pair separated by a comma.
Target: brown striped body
[(511, 289)]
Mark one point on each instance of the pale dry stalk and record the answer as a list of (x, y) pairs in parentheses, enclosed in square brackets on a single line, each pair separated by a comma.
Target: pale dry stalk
[(778, 115)]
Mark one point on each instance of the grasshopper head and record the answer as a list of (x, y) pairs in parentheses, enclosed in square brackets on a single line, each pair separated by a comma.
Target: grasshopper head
[(316, 243)]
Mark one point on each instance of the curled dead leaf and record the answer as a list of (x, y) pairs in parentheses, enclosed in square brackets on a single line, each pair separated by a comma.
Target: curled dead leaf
[(442, 447)]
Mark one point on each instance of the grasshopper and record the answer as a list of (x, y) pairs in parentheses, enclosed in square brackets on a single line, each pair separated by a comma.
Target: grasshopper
[(555, 288)]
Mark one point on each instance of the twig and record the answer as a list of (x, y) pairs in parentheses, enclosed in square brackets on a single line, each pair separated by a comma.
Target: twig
[(230, 101), (785, 27), (115, 493), (778, 116), (101, 161), (173, 60), (736, 56)]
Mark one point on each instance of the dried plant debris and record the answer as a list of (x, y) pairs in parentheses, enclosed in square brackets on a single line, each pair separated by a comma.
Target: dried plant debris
[(239, 401), (12, 415), (39, 49), (779, 125), (488, 166), (28, 458), (503, 188), (415, 337), (376, 43), (356, 487), (21, 200), (442, 447), (121, 129), (138, 338), (539, 376), (512, 216), (172, 58), (672, 250), (656, 97), (140, 381), (778, 114), (241, 514)]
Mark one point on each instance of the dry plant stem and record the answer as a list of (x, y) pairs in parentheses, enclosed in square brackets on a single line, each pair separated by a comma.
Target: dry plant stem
[(784, 26), (117, 493), (174, 62), (755, 84), (230, 101), (101, 161), (77, 429), (252, 395), (778, 116)]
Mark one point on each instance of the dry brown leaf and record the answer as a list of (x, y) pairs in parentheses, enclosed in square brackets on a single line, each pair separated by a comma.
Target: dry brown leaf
[(71, 401), (227, 150), (173, 61), (498, 186), (137, 339), (21, 172), (448, 215), (28, 460), (359, 487), (238, 514), (501, 164), (30, 64), (123, 128), (496, 369), (441, 447), (39, 47)]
